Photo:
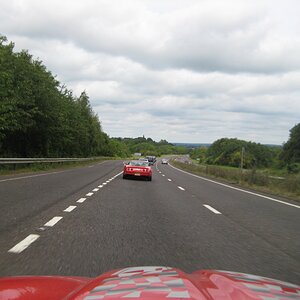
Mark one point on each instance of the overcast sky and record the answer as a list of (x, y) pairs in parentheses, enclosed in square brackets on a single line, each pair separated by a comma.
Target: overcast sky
[(184, 71)]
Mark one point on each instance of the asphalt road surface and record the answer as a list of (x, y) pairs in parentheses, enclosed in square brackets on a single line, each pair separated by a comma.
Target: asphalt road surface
[(88, 220)]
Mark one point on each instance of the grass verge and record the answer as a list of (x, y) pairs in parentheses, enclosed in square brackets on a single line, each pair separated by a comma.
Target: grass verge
[(37, 167), (289, 187)]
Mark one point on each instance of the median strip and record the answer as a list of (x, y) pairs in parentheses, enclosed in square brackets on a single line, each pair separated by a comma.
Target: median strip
[(212, 209), (24, 244)]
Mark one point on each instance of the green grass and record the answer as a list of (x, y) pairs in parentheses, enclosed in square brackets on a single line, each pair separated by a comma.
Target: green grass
[(288, 187)]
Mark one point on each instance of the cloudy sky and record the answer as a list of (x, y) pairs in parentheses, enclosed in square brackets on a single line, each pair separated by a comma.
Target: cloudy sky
[(180, 70)]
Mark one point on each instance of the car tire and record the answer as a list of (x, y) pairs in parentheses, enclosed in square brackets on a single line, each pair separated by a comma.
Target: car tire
[(124, 176), (150, 178)]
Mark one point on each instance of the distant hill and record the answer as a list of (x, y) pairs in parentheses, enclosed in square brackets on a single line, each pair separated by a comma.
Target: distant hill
[(197, 145), (191, 145)]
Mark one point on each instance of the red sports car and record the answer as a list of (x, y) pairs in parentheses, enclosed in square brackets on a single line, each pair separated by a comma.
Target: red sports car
[(149, 283), (137, 168)]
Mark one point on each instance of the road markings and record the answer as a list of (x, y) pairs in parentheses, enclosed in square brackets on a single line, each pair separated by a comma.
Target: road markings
[(181, 188), (169, 179), (24, 244), (100, 186), (81, 200), (159, 172), (104, 183), (95, 190), (212, 209), (31, 176), (89, 194), (238, 189), (53, 221), (163, 175), (70, 208)]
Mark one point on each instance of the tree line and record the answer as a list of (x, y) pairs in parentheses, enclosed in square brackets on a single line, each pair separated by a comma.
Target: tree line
[(39, 117), (232, 151)]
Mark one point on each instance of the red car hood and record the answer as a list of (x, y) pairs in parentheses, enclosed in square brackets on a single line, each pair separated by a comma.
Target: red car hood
[(148, 283)]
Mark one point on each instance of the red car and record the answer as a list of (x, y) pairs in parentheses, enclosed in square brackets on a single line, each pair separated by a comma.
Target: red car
[(137, 168), (148, 283)]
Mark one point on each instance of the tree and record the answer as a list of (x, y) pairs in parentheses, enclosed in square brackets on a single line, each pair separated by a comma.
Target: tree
[(291, 149)]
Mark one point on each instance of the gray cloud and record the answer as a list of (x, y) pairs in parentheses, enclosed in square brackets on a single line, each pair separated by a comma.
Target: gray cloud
[(177, 70)]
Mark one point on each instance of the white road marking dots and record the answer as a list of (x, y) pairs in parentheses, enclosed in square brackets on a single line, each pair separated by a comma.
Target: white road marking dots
[(212, 209), (53, 221), (70, 208), (163, 175), (100, 186), (159, 172), (238, 189), (81, 200), (24, 244), (104, 183), (169, 179), (89, 194), (95, 190), (181, 188)]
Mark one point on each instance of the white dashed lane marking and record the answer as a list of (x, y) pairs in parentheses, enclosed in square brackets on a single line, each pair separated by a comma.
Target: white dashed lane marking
[(169, 179), (53, 221), (81, 200), (181, 188), (163, 175), (24, 244), (70, 208), (212, 209), (21, 246)]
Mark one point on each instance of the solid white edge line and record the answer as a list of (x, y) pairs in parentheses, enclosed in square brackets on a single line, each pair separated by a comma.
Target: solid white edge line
[(238, 189), (70, 208), (24, 244), (53, 221), (30, 176), (81, 200), (181, 188), (95, 190), (89, 194), (212, 209)]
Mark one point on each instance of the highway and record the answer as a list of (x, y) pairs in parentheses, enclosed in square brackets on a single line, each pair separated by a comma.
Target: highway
[(88, 220)]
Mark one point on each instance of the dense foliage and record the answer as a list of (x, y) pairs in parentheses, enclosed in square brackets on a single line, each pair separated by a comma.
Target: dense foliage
[(229, 152), (291, 149), (146, 146), (39, 117)]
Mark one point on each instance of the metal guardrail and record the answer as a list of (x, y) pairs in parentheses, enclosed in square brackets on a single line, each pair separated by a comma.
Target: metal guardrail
[(18, 160)]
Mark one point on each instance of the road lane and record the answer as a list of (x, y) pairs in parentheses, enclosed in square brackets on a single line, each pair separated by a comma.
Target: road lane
[(29, 196), (135, 222), (274, 222)]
